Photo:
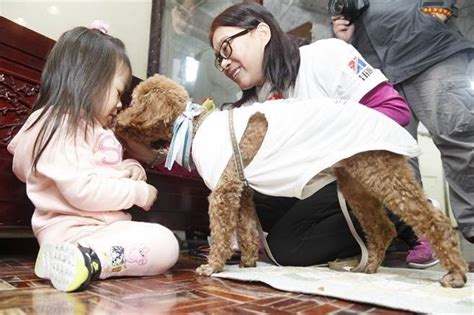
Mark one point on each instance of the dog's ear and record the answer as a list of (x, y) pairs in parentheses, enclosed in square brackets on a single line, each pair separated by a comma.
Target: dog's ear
[(161, 99)]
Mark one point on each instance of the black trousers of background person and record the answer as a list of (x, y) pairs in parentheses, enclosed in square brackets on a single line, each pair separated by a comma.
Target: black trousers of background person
[(312, 231)]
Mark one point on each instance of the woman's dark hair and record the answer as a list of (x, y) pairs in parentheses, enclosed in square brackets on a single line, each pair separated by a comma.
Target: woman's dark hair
[(75, 81), (281, 59)]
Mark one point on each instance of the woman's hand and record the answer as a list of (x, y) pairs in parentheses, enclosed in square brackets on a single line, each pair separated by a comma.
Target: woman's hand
[(139, 151), (343, 29), (443, 18)]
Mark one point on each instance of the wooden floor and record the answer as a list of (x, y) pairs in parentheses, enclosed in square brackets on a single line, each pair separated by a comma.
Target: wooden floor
[(178, 291)]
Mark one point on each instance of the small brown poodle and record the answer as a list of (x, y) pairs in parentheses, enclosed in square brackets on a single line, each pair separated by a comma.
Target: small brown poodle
[(368, 180)]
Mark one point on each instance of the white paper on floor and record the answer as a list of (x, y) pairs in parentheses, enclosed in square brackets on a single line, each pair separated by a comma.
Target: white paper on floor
[(398, 288)]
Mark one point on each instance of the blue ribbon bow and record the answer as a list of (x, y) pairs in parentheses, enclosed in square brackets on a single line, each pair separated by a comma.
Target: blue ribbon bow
[(180, 147)]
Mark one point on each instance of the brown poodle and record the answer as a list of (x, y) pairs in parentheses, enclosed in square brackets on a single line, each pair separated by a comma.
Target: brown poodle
[(368, 180)]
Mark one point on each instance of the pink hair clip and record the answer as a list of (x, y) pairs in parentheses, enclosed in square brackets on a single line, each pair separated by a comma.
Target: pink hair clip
[(101, 26)]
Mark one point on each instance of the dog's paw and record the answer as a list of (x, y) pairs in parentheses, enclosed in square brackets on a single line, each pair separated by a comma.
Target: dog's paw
[(247, 264), (205, 270), (248, 260), (453, 280), (371, 268)]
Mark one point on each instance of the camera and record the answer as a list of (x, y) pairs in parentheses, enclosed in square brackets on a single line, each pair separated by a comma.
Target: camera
[(349, 9)]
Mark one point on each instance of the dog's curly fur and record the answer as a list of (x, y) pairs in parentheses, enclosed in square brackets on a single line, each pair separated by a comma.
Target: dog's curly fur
[(156, 103), (368, 180)]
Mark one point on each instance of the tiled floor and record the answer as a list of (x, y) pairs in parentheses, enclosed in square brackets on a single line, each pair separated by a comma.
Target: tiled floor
[(178, 291)]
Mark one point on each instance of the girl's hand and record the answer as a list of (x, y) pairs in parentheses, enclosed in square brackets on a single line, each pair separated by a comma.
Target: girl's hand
[(152, 196), (342, 28), (135, 172)]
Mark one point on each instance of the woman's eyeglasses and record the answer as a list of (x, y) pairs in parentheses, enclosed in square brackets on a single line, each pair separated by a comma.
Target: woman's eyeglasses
[(225, 50)]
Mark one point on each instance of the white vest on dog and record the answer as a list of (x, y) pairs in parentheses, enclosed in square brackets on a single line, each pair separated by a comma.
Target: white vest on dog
[(304, 139)]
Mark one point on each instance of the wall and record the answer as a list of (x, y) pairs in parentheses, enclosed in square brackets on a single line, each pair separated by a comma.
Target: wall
[(129, 20)]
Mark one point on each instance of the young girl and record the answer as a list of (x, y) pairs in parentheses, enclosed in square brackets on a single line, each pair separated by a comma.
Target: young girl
[(72, 165)]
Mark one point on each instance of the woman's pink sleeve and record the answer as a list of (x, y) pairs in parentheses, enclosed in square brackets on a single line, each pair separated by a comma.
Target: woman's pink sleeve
[(385, 99)]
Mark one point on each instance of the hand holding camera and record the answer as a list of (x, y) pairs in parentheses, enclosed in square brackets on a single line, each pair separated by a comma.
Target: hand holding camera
[(349, 10), (342, 28)]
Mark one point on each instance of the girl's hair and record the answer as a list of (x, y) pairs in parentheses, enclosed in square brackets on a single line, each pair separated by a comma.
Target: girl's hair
[(75, 83), (281, 59)]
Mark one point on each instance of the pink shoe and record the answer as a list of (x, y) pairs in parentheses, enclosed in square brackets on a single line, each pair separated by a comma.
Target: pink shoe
[(421, 256)]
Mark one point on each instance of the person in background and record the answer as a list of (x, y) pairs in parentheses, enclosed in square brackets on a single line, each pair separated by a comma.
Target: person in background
[(421, 50), (71, 162), (253, 51)]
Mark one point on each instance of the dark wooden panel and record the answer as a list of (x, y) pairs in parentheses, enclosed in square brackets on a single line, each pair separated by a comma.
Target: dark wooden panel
[(15, 207), (22, 56), (182, 203), (24, 39)]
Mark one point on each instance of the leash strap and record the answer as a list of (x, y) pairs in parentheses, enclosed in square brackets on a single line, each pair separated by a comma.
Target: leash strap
[(364, 253), (342, 203), (263, 240), (240, 169), (235, 147)]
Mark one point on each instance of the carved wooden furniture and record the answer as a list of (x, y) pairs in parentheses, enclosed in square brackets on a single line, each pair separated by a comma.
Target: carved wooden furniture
[(22, 56), (182, 200)]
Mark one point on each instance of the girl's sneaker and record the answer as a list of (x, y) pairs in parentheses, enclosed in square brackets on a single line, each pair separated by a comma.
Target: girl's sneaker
[(421, 256), (69, 267)]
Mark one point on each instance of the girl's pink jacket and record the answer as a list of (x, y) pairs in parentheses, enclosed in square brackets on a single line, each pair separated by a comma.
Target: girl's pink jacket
[(81, 181)]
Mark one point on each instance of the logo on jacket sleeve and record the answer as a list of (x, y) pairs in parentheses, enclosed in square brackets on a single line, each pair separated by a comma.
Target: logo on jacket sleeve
[(360, 68), (108, 150)]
